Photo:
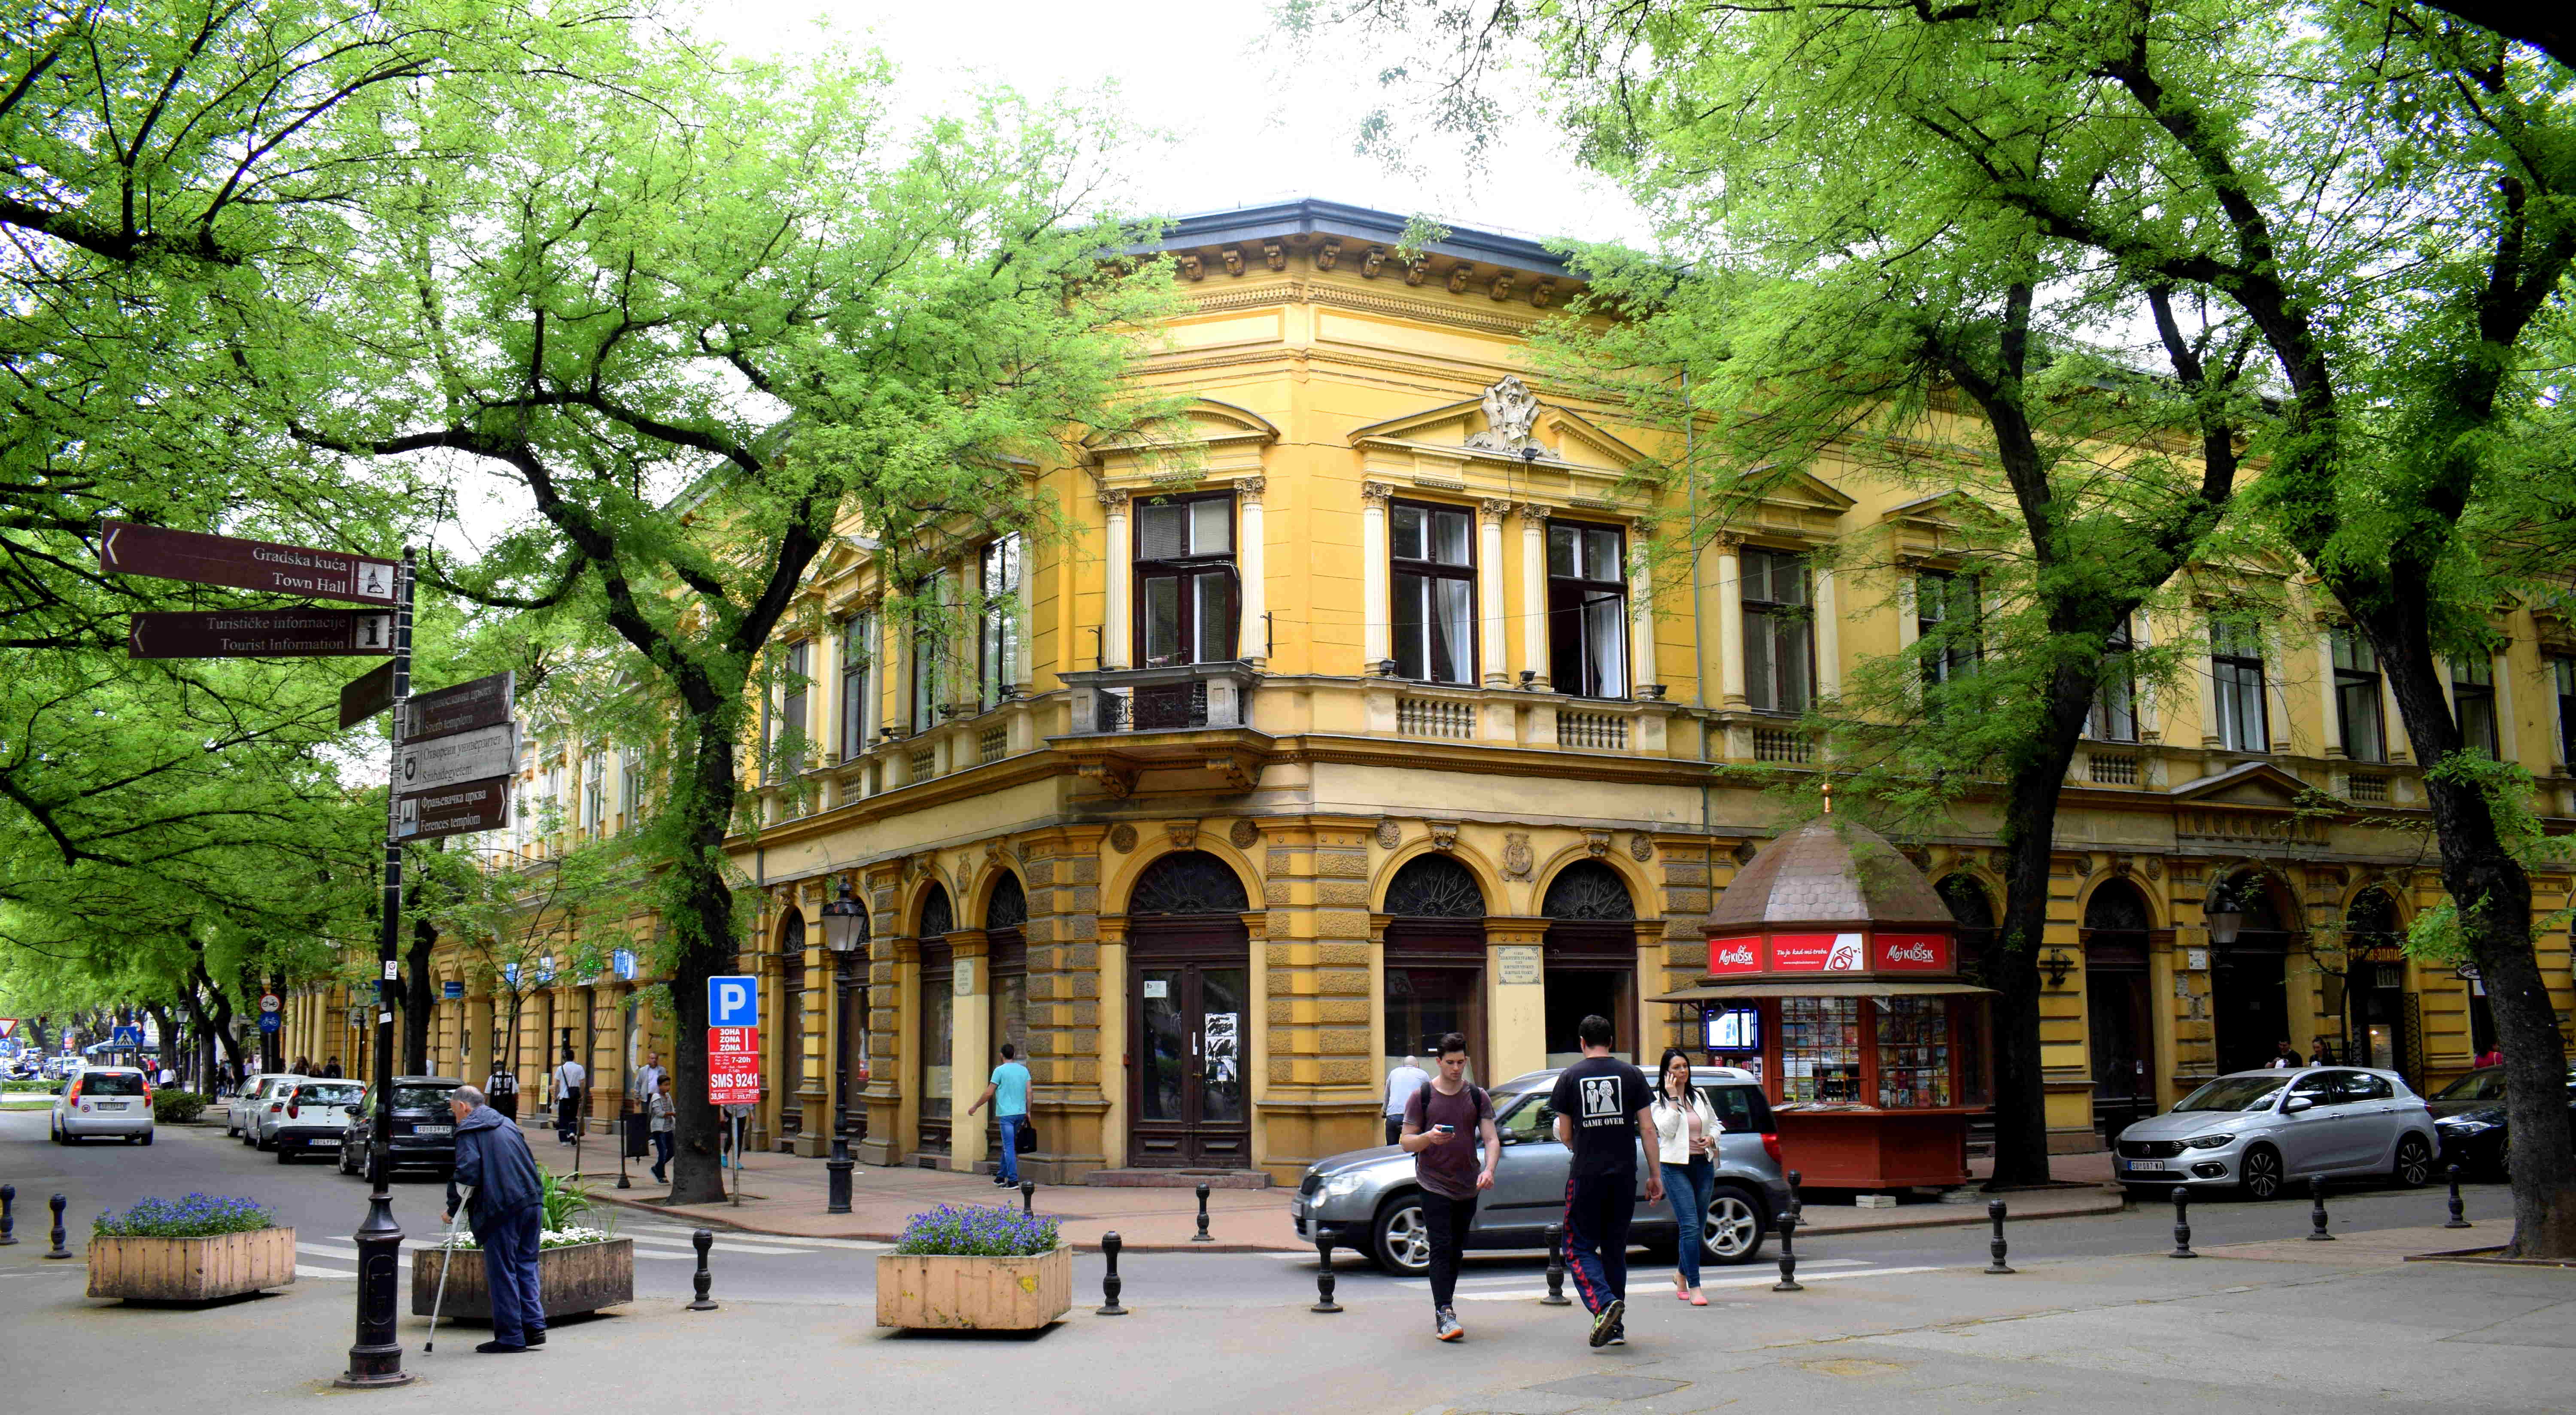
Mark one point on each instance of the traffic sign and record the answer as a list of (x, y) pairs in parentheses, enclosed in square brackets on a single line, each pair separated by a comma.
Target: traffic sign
[(622, 963), (269, 1021), (8, 1028), (461, 809), (449, 761), (367, 696), (260, 633), (127, 1035), (733, 1065), (485, 702), (128, 549), (452, 989), (270, 1002), (733, 1000)]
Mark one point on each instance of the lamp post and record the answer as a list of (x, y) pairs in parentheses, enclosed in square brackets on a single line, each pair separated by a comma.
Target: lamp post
[(845, 927), (2225, 920)]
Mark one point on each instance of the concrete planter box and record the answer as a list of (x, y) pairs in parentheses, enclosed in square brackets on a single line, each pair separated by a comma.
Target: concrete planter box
[(933, 1293), (191, 1269), (582, 1278)]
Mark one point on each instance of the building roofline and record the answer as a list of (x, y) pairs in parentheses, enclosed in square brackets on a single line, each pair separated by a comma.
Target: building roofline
[(1310, 216)]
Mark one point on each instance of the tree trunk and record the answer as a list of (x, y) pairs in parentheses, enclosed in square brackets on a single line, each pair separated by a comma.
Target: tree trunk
[(2029, 835), (707, 948), (421, 999)]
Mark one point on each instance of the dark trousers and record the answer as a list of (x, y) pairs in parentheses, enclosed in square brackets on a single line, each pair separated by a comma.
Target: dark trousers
[(566, 1108), (1597, 1214), (1446, 1221), (507, 1104), (510, 1269), (661, 1155), (1394, 1128)]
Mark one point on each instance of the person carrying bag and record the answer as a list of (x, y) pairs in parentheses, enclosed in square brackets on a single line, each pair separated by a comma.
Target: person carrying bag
[(1686, 1129)]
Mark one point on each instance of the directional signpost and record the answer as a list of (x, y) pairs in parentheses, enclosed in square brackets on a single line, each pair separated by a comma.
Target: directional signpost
[(128, 549), (260, 633), (363, 698), (457, 748)]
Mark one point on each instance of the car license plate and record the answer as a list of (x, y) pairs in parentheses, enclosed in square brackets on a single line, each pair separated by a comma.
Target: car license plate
[(433, 1130), (111, 1105), (2148, 1166), (1296, 1208)]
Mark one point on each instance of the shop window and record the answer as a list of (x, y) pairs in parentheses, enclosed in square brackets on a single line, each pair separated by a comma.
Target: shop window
[(858, 684), (1185, 581), (1425, 1004), (1913, 1052), (1948, 624), (1587, 609), (2357, 698), (2473, 704), (997, 638), (2236, 675), (1434, 580), (1779, 632), (2114, 717), (1820, 1049)]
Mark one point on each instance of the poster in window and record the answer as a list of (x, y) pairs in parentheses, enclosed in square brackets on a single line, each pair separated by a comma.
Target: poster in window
[(1221, 1049)]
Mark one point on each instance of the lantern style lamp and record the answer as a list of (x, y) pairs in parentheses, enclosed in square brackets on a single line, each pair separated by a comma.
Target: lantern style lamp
[(844, 928)]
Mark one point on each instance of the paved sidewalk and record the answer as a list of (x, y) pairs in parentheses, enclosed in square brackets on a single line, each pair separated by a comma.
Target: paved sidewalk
[(785, 1195)]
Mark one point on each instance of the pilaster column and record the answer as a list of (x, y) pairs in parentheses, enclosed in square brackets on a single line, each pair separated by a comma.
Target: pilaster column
[(1516, 995), (1642, 668), (2332, 710), (1730, 620), (2500, 668), (1376, 642), (2279, 735), (1534, 657), (1252, 633), (970, 1043), (1829, 635), (1489, 591), (1115, 629)]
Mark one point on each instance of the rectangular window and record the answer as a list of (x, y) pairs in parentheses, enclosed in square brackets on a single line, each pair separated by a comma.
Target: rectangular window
[(1434, 614), (997, 650), (2357, 698), (2562, 676), (858, 684), (2236, 672), (1947, 622), (930, 636), (2115, 694), (1587, 610), (594, 805), (1185, 586), (2473, 703), (788, 745), (631, 789), (1779, 632)]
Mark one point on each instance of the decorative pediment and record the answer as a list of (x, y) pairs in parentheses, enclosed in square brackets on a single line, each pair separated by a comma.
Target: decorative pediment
[(1204, 438), (1506, 424), (2248, 784), (1943, 524)]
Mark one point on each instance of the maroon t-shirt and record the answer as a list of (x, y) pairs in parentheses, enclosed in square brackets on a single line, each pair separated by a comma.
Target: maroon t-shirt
[(1448, 1169)]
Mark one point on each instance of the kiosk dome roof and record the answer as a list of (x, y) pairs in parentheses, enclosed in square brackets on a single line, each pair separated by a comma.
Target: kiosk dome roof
[(1832, 870)]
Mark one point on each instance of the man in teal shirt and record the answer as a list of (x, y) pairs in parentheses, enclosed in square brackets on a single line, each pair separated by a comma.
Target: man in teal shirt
[(1008, 1094)]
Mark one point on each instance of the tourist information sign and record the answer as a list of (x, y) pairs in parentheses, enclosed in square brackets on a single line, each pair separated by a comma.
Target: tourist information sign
[(260, 633)]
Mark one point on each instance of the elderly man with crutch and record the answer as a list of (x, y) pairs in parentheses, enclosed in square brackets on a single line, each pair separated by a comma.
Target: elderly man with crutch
[(507, 1209)]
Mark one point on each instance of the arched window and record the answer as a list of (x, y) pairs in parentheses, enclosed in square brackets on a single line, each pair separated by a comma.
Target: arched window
[(1967, 901), (1435, 887), (1588, 890), (1188, 882), (2371, 922), (2117, 907), (938, 916), (1009, 908)]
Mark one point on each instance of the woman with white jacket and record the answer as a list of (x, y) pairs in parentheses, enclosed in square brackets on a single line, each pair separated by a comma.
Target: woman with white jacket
[(1686, 1130)]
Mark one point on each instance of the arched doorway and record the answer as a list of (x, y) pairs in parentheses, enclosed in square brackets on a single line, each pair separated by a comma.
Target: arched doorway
[(2382, 1026), (1006, 960), (1435, 960), (791, 1025), (1591, 961), (938, 1018), (2118, 1022), (1975, 914), (1189, 968), (2249, 995)]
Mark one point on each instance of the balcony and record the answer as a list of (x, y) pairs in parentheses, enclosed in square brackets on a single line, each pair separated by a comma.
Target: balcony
[(1194, 717)]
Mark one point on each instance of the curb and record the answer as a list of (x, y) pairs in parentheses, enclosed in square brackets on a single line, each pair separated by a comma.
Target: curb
[(1125, 1245), (1967, 1217)]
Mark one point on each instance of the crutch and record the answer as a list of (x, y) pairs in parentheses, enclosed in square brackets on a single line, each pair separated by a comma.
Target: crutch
[(446, 1260)]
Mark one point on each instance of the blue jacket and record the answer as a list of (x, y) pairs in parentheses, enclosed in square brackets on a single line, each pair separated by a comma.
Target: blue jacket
[(492, 1159)]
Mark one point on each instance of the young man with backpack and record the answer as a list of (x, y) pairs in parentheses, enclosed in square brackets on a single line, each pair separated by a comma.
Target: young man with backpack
[(1604, 1110), (1444, 1119)]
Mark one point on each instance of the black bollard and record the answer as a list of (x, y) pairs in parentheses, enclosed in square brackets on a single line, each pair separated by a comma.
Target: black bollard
[(1109, 1283), (1202, 1235), (2459, 1211), (2317, 1210), (2182, 1224), (56, 1204), (702, 1240), (1556, 1268), (1995, 1212), (1789, 1254), (9, 1199), (1029, 1197), (1323, 1279)]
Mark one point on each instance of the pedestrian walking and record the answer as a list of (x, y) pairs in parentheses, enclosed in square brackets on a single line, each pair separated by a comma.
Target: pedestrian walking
[(648, 1077), (1008, 1094), (1686, 1131), (1444, 1122), (663, 1110), (503, 1088), (2285, 1057), (1407, 1078), (2492, 1056), (1604, 1111), (2317, 1052), (331, 1068), (569, 1076), (507, 1210)]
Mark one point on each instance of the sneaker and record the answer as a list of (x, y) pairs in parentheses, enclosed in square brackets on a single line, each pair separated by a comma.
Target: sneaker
[(1608, 1322), (1618, 1334), (536, 1339), (500, 1348), (1445, 1323), (1000, 1183)]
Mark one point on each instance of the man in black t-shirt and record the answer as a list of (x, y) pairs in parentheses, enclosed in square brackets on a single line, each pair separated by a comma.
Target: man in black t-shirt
[(1602, 1107)]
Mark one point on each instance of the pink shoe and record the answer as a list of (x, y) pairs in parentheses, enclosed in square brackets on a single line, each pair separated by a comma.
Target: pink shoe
[(1681, 1293), (1698, 1301)]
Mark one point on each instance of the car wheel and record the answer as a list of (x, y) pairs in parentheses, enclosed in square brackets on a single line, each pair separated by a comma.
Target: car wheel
[(147, 1137), (2414, 1162), (284, 1154), (1400, 1240), (2259, 1174), (1734, 1231), (344, 1158)]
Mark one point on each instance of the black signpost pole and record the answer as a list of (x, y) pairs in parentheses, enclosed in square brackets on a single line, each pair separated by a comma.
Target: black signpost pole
[(375, 1361)]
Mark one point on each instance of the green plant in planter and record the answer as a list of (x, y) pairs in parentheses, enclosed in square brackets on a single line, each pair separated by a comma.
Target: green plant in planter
[(196, 1216), (176, 1107)]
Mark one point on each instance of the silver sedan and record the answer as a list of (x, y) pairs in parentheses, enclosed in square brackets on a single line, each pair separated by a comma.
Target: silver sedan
[(2259, 1130)]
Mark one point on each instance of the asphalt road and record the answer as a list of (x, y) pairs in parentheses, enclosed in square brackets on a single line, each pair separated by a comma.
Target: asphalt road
[(325, 1207)]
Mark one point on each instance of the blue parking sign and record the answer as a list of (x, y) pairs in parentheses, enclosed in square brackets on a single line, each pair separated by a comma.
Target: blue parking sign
[(733, 1000)]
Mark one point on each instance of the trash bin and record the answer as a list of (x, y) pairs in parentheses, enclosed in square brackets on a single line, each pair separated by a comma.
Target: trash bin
[(637, 1145)]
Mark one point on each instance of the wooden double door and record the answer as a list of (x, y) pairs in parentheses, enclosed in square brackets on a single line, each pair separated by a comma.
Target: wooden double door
[(1189, 1005)]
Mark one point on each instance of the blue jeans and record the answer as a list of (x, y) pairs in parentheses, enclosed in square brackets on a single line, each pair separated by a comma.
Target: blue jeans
[(661, 1153), (1010, 1170), (1690, 1188), (510, 1270)]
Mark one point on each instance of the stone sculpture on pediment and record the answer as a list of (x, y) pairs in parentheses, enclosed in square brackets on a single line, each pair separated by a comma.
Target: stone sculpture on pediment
[(1511, 412)]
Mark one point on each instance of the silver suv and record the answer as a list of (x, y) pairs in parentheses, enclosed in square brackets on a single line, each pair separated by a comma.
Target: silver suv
[(2258, 1130), (1369, 1199)]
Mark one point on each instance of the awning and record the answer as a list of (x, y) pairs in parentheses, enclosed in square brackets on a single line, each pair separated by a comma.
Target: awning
[(1838, 987)]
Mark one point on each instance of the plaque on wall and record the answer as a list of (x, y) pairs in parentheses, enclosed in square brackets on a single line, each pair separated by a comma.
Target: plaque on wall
[(1518, 963)]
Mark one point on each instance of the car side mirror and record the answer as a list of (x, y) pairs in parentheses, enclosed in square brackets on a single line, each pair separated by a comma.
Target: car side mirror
[(2295, 1104)]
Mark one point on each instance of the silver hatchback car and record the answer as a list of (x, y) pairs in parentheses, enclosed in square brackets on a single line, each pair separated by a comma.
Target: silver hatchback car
[(2258, 1130), (1369, 1200)]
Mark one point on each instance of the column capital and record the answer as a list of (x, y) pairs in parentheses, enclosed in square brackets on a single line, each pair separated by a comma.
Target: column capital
[(1532, 512), (1492, 510), (1113, 501), (1727, 541), (1376, 493), (1249, 489)]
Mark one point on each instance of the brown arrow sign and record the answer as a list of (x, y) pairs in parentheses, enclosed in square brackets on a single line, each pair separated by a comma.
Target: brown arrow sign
[(461, 809), (484, 702), (260, 633), (367, 696), (129, 549)]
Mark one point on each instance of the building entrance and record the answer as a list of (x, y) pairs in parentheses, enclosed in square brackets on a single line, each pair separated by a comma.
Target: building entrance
[(1190, 1004)]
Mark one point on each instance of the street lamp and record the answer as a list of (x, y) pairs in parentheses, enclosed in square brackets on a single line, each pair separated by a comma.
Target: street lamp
[(845, 927), (2225, 920)]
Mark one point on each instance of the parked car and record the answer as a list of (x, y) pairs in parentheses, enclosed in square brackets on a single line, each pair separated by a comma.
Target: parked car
[(424, 1132), (316, 1113), (241, 1112), (1369, 1200), (2469, 1116), (266, 1101), (104, 1100), (2259, 1130)]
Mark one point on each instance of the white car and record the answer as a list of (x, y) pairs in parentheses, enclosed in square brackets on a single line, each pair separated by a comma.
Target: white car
[(258, 1095), (104, 1100), (315, 1114)]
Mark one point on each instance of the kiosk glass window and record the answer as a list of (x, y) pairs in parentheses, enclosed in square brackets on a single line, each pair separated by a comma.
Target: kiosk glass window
[(1820, 1049), (1913, 1052)]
